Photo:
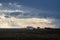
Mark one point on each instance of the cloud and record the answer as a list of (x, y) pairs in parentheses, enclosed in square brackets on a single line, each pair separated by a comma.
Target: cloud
[(57, 23), (11, 11), (27, 11), (21, 22), (1, 4), (13, 15)]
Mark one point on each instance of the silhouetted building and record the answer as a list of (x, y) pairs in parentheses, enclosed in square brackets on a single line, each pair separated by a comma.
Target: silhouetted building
[(30, 28)]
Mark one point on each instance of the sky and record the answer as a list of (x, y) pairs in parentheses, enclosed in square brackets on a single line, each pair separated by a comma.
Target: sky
[(35, 13)]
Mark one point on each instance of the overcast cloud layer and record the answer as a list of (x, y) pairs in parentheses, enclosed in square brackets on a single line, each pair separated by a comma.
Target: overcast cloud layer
[(15, 15)]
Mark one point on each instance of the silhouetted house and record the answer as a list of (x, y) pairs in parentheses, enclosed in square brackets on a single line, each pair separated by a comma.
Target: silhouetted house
[(30, 28)]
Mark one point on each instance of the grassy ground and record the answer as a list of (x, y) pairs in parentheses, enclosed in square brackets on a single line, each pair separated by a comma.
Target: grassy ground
[(29, 35)]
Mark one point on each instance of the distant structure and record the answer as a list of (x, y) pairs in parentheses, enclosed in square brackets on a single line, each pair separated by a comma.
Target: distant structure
[(30, 28), (48, 28)]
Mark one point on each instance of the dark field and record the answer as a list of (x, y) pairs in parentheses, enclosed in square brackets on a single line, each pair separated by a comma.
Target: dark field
[(25, 34)]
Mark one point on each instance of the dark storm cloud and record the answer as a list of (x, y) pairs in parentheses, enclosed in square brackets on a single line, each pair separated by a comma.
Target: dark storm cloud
[(31, 15), (47, 5), (15, 14)]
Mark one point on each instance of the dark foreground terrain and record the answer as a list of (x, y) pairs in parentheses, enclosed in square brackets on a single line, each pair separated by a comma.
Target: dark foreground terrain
[(27, 34)]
